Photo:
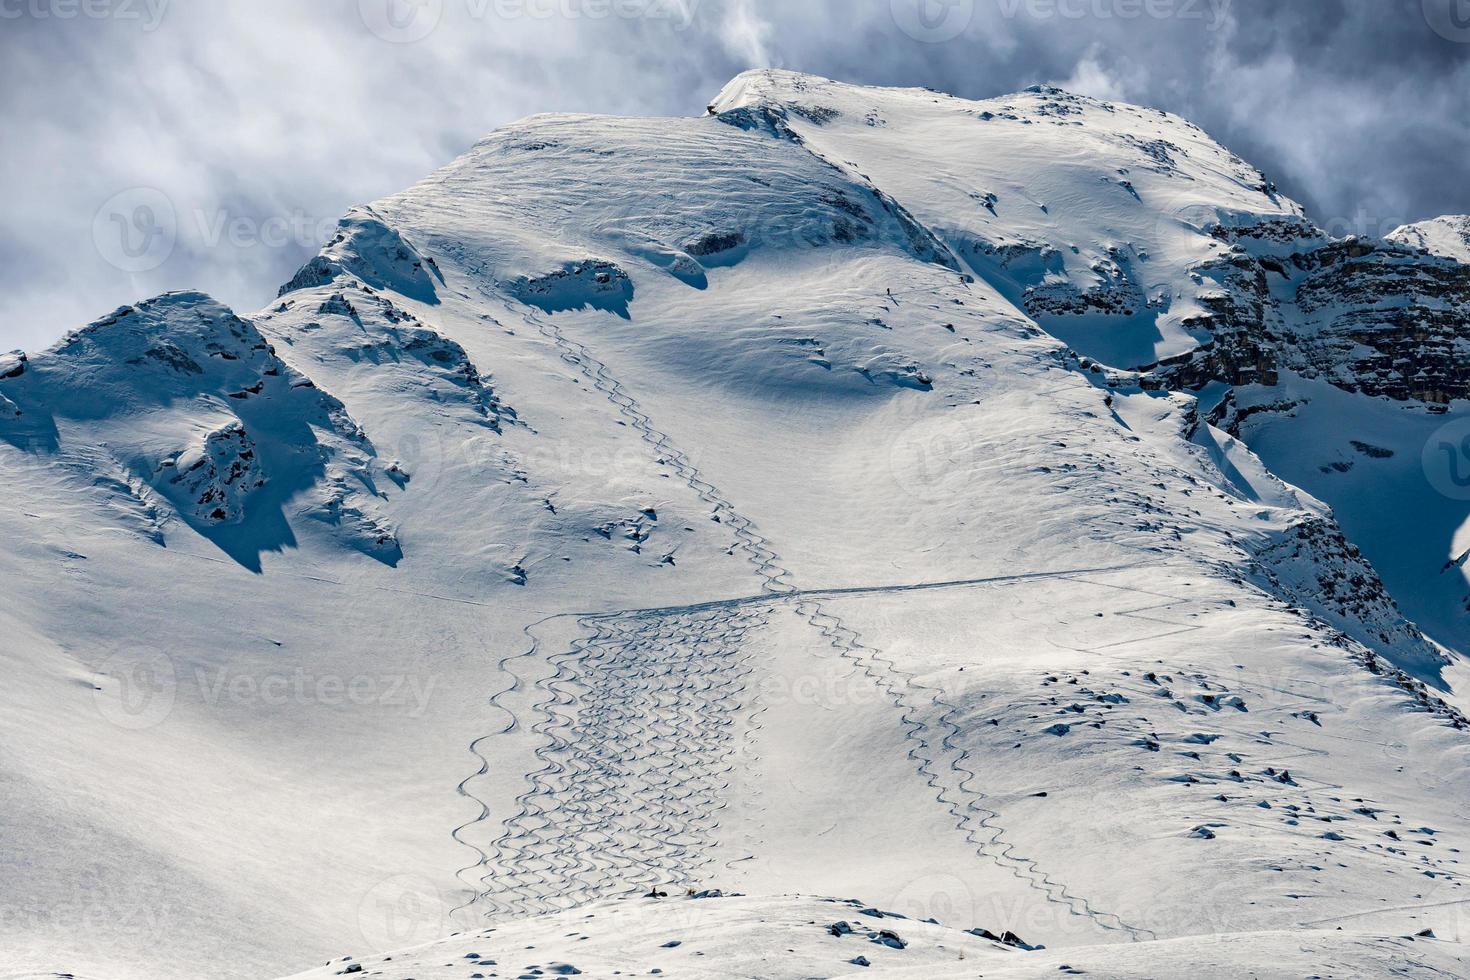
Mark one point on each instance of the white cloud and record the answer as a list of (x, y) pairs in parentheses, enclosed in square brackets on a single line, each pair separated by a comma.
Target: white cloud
[(279, 108)]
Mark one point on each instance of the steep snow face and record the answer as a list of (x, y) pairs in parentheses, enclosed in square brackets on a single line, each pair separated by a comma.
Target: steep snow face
[(747, 535), (1135, 238), (1094, 218), (189, 402), (576, 192), (1448, 236), (1389, 471)]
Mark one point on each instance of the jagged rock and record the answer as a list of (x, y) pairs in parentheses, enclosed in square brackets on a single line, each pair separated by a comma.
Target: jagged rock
[(368, 248), (593, 283), (212, 482), (1379, 318), (1317, 565), (13, 365)]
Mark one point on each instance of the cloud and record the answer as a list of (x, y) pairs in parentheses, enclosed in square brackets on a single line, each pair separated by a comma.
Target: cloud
[(263, 122), (1092, 77), (746, 34)]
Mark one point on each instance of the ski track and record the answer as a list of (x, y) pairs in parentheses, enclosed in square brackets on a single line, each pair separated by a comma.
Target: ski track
[(638, 729), (974, 821)]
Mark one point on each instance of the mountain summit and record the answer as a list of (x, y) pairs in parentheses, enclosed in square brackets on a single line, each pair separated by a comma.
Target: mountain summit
[(1016, 514)]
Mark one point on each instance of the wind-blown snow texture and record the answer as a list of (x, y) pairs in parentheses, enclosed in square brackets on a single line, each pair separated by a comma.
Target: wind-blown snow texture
[(1016, 514)]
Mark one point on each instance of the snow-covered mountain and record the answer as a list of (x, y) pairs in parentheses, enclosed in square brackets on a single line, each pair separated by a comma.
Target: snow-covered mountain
[(1448, 236), (1015, 514)]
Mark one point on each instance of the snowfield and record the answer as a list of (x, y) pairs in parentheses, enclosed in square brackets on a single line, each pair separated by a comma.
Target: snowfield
[(1016, 514)]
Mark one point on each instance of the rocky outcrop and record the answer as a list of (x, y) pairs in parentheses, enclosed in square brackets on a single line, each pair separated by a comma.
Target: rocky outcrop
[(212, 482), (218, 425), (1315, 565), (13, 365), (1115, 294), (1367, 316), (594, 283), (1387, 320), (369, 249)]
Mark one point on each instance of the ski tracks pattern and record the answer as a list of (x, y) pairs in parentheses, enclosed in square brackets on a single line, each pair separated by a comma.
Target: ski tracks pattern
[(641, 729), (952, 782), (643, 719)]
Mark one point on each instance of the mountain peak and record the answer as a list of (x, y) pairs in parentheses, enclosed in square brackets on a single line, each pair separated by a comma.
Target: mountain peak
[(173, 331), (1448, 236)]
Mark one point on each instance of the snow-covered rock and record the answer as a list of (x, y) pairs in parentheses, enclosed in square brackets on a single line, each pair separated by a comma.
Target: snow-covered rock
[(193, 400), (13, 365), (369, 249), (215, 478), (1448, 236)]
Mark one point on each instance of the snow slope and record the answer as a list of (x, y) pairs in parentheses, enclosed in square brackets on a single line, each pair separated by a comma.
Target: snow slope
[(791, 938), (644, 504), (1090, 216), (1448, 236)]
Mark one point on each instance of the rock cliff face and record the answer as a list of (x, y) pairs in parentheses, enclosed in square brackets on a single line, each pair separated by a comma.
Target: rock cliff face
[(1371, 316), (1386, 320)]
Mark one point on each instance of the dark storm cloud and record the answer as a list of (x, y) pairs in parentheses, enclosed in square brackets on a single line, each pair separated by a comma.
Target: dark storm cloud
[(246, 129)]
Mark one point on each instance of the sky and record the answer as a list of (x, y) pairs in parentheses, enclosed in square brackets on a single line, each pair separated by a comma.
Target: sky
[(151, 145)]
